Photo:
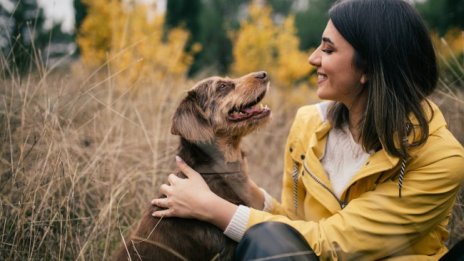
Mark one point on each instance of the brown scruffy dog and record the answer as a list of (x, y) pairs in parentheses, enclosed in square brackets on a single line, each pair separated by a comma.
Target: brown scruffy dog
[(211, 122)]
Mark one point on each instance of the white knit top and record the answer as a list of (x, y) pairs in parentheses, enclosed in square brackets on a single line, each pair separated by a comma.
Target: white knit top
[(342, 159)]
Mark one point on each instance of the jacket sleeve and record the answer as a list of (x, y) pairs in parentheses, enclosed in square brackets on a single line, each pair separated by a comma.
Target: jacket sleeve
[(379, 222)]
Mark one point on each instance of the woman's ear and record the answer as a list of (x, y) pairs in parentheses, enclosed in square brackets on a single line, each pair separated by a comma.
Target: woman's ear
[(363, 79)]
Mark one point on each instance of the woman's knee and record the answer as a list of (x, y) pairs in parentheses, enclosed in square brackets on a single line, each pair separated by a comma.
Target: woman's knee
[(274, 241)]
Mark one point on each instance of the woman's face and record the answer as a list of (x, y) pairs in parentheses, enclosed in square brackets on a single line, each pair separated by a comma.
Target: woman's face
[(338, 78)]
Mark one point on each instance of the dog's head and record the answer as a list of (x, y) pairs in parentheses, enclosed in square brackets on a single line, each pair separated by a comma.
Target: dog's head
[(222, 108)]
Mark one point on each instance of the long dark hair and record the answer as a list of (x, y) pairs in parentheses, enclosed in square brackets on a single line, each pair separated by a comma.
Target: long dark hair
[(393, 47)]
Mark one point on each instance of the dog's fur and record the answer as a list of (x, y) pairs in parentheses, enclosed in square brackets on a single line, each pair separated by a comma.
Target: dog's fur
[(211, 122)]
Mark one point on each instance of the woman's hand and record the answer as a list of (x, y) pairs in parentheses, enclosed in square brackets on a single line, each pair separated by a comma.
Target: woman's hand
[(192, 198)]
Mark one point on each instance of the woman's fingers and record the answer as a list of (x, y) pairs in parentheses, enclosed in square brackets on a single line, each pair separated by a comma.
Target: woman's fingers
[(186, 169), (172, 178), (161, 202), (186, 197), (165, 189), (162, 213)]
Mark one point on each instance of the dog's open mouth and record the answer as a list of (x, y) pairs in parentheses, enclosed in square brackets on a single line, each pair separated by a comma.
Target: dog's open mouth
[(252, 110)]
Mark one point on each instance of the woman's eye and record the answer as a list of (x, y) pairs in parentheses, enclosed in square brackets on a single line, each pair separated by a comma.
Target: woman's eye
[(327, 51)]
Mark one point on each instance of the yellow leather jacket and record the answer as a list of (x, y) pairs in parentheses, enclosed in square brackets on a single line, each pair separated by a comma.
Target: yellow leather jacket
[(370, 221)]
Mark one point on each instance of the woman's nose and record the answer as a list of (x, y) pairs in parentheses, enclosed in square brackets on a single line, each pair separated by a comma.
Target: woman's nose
[(315, 59)]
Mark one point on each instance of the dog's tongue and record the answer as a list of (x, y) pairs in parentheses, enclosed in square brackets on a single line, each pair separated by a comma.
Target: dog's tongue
[(239, 115), (252, 110), (247, 112)]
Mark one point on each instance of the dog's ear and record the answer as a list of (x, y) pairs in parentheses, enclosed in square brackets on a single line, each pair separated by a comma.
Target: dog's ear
[(189, 120)]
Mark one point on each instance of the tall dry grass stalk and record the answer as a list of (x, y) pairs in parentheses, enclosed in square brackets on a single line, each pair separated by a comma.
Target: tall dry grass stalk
[(81, 158), (451, 103), (78, 163), (450, 98)]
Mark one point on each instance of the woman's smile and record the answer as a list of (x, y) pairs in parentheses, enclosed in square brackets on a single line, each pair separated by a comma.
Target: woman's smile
[(321, 78), (338, 78)]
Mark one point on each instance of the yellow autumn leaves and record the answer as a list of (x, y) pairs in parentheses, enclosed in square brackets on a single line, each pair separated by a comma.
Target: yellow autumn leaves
[(450, 45), (262, 45), (130, 39)]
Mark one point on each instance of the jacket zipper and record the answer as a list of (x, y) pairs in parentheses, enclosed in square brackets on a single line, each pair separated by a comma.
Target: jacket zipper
[(340, 202), (295, 187)]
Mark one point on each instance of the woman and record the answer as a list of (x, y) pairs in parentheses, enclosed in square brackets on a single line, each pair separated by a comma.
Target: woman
[(373, 174)]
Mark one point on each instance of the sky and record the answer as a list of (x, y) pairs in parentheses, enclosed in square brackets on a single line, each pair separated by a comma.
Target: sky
[(58, 11), (62, 11)]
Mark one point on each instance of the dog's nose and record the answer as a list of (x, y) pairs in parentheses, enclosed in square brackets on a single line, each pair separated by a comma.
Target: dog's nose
[(261, 75)]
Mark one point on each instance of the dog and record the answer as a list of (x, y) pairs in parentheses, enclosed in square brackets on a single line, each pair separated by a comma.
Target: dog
[(211, 121)]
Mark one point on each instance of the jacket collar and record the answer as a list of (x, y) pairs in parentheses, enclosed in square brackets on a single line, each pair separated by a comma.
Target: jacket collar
[(433, 113), (378, 162), (436, 121)]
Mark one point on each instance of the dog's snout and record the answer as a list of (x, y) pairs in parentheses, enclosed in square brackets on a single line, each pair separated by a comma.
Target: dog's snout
[(261, 75)]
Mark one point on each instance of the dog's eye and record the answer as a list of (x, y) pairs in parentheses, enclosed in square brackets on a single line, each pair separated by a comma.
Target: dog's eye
[(223, 88)]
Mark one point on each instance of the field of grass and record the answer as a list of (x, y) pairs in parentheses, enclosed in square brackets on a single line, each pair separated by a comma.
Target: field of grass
[(81, 158)]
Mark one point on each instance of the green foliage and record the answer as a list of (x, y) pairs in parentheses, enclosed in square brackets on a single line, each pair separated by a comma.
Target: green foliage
[(455, 13), (216, 18), (80, 12), (310, 23), (282, 7), (184, 13), (208, 22), (442, 15), (27, 37)]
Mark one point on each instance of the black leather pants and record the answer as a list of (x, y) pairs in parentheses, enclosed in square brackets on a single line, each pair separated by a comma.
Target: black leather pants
[(456, 253), (274, 241)]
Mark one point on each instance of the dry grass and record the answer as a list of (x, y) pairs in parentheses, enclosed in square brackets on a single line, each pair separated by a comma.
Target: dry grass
[(80, 159), (451, 104)]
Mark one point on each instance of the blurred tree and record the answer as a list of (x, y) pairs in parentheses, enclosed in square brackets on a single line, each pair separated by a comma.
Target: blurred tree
[(80, 12), (260, 44), (450, 53), (310, 22), (455, 13), (253, 45), (184, 13), (24, 34), (433, 13), (442, 15), (6, 27), (216, 19), (281, 7), (60, 47), (208, 22), (95, 33), (130, 41)]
